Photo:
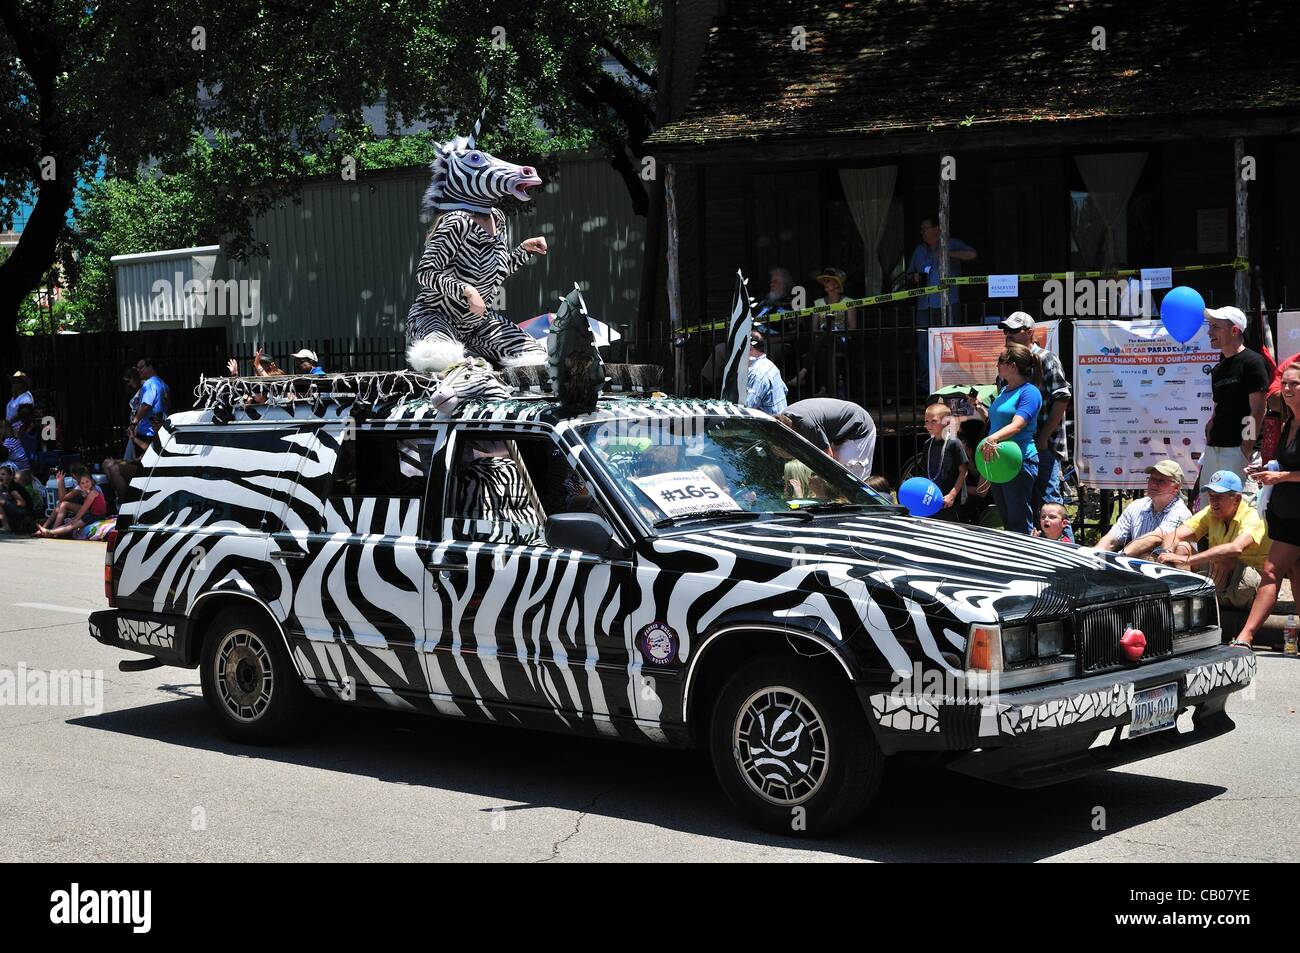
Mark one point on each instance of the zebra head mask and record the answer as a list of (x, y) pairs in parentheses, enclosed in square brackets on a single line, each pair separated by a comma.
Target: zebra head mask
[(467, 178)]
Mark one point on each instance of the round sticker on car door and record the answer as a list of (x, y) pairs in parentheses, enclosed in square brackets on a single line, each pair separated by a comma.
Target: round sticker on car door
[(658, 643)]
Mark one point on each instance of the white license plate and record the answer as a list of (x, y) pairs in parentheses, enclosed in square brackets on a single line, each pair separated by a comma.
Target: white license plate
[(1154, 709)]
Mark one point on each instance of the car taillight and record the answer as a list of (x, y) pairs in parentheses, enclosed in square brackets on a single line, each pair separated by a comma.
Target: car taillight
[(111, 544)]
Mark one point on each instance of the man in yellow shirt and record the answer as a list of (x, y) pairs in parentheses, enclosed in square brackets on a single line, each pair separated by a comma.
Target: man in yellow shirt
[(1238, 542)]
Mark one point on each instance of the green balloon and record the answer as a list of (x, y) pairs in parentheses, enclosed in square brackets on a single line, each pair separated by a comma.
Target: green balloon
[(1004, 467)]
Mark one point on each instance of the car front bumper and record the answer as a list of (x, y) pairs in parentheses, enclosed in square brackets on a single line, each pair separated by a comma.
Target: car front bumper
[(1037, 736)]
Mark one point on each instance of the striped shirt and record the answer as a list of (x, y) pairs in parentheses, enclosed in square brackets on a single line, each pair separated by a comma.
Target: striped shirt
[(461, 253), (766, 388), (1140, 518)]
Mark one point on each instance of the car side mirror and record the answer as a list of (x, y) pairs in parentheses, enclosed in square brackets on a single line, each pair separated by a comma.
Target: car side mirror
[(585, 532)]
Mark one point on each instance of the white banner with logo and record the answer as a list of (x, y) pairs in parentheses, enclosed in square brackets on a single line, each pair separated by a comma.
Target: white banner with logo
[(1139, 397)]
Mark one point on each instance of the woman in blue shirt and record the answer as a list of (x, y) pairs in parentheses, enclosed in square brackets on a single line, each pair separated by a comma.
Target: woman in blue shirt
[(1011, 417)]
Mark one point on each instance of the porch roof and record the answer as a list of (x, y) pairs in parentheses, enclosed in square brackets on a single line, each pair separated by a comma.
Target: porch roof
[(898, 76)]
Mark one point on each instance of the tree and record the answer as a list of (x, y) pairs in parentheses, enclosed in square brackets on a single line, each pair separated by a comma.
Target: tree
[(272, 83)]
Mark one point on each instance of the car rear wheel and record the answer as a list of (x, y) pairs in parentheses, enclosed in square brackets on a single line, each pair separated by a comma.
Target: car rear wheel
[(792, 748), (249, 681)]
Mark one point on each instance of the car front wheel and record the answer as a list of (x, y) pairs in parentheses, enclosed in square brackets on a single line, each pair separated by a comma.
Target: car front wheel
[(792, 748)]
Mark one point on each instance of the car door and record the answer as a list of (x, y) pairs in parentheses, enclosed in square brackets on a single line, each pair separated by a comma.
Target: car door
[(511, 622), (355, 558)]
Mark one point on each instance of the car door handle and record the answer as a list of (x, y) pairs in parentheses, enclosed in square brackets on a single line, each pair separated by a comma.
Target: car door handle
[(287, 554), (446, 567)]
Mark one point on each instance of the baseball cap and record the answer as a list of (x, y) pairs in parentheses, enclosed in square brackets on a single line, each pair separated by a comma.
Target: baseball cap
[(305, 353), (19, 374), (1168, 468), (1228, 313), (837, 274), (1224, 481), (1016, 321)]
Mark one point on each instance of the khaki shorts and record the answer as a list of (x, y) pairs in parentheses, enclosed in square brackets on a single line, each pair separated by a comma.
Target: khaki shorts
[(1238, 590)]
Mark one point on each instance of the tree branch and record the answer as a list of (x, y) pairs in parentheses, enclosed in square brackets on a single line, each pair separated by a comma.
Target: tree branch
[(627, 62)]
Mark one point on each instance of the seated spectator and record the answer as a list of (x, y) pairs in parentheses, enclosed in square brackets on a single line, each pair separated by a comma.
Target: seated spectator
[(1054, 523), (18, 504), (1144, 524), (18, 458), (69, 517), (1237, 537)]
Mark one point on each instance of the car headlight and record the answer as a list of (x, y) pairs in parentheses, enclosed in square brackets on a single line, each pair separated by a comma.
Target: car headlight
[(1016, 644), (1051, 639), (1181, 609), (1202, 612)]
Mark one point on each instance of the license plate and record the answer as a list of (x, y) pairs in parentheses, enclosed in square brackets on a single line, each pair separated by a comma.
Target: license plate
[(1154, 709)]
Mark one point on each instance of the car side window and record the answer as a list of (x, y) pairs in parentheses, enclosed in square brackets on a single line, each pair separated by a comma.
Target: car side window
[(502, 488), (378, 482)]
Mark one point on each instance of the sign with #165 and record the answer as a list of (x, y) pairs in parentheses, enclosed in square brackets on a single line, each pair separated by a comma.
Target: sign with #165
[(684, 492)]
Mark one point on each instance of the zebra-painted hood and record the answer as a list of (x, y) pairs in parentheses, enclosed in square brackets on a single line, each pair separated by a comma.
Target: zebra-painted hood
[(975, 574)]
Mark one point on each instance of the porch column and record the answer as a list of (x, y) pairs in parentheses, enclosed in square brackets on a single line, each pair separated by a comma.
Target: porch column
[(1242, 288), (674, 281), (944, 318)]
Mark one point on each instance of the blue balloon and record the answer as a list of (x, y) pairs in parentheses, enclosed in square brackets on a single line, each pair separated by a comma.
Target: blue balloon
[(922, 497), (1183, 312)]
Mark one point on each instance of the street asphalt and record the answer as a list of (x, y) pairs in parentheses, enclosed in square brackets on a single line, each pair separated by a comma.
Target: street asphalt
[(149, 778)]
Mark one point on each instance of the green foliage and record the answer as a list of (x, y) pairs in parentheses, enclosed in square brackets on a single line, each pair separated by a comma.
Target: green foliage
[(280, 90)]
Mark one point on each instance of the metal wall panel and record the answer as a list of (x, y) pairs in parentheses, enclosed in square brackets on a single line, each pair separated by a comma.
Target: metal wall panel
[(341, 261), (142, 308)]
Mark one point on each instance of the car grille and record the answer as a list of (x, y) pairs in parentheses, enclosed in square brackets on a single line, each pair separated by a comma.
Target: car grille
[(1101, 629)]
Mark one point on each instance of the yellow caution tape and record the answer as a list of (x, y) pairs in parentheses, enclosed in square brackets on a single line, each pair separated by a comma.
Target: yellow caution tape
[(776, 317)]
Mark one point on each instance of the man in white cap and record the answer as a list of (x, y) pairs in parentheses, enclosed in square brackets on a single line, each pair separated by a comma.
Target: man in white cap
[(307, 362), (22, 391), (1240, 382), (1144, 524), (1049, 435)]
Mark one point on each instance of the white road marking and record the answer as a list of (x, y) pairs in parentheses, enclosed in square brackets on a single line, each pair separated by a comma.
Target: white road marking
[(52, 608)]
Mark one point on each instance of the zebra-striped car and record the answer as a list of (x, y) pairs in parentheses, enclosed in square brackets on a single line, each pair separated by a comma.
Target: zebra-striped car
[(666, 571)]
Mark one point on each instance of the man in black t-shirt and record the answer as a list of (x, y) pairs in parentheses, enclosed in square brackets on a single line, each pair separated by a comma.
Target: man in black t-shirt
[(1240, 381), (839, 428)]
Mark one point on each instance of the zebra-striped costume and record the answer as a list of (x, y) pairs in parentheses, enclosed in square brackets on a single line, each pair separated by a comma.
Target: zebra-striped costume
[(440, 327), (460, 253)]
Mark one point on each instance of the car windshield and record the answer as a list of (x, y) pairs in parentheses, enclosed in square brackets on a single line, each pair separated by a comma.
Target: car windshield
[(679, 469)]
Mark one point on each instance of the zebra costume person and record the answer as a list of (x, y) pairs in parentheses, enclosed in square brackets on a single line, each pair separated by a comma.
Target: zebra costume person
[(465, 262)]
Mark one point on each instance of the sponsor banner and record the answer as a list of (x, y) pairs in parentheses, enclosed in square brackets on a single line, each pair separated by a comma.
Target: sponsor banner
[(962, 356), (1288, 334), (1139, 397)]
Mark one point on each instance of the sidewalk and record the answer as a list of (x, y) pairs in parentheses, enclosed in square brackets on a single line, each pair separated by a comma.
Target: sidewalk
[(1271, 632)]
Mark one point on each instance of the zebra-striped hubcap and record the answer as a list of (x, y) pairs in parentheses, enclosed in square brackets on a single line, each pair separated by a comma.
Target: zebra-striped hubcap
[(243, 670), (780, 746)]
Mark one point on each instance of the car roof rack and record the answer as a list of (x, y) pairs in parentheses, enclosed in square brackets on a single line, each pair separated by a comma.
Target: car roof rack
[(531, 382)]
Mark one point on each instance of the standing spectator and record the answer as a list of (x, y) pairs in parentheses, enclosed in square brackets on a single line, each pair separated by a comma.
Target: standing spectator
[(827, 336), (766, 390), (946, 462), (1049, 429), (1144, 524), (155, 401), (22, 394), (1240, 381), (840, 428), (1283, 513), (68, 517), (1238, 542), (131, 381), (1054, 523), (306, 362), (1011, 417), (922, 270)]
